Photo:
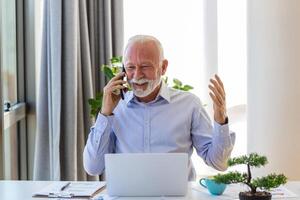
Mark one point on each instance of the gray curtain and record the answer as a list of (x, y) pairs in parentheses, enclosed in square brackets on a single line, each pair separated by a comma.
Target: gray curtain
[(78, 36)]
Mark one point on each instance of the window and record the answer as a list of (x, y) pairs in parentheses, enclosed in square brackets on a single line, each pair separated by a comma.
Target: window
[(13, 163), (232, 61), (9, 51), (178, 24)]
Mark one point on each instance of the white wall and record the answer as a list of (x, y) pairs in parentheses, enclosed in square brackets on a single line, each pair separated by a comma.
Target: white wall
[(274, 84)]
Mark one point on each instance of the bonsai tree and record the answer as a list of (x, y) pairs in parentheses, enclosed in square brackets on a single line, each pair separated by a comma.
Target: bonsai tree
[(110, 70), (263, 183)]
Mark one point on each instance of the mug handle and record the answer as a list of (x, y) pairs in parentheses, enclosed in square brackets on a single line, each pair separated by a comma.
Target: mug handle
[(202, 183)]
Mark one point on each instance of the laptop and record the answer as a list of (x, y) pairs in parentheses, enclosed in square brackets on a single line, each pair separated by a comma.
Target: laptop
[(146, 174)]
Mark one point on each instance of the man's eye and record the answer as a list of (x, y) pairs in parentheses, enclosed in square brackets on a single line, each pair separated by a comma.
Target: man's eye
[(130, 67)]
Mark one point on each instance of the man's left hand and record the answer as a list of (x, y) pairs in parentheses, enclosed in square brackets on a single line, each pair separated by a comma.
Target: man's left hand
[(217, 94)]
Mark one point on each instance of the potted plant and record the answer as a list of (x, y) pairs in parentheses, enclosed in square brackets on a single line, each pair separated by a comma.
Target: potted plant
[(263, 183), (110, 70)]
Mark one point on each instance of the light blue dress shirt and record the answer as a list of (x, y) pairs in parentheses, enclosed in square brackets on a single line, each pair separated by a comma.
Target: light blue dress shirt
[(174, 122)]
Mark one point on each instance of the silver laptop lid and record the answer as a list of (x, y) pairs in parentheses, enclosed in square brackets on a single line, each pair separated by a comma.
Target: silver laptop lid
[(147, 174)]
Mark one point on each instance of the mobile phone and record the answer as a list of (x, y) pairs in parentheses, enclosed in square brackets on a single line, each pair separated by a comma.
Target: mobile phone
[(121, 91)]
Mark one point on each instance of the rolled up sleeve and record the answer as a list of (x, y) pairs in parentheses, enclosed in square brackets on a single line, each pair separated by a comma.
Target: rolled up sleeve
[(213, 144), (101, 140)]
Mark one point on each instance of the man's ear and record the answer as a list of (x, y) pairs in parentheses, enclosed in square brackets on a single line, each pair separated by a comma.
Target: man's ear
[(164, 66)]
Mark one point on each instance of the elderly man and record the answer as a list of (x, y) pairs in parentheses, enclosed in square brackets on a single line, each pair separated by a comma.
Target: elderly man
[(155, 118)]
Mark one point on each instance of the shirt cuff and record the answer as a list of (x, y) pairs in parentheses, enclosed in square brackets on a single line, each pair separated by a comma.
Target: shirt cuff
[(102, 122), (221, 130), (102, 129), (223, 135)]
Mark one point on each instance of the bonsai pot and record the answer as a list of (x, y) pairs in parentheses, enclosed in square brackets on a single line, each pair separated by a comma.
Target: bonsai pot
[(255, 196)]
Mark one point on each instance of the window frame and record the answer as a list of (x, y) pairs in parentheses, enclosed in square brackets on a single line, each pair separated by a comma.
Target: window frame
[(22, 132), (17, 115), (1, 101)]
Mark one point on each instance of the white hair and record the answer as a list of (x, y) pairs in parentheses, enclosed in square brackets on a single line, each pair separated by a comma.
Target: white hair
[(142, 39)]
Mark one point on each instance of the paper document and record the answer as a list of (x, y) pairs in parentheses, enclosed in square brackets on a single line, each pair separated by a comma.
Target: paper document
[(107, 197), (70, 189), (232, 192), (281, 193)]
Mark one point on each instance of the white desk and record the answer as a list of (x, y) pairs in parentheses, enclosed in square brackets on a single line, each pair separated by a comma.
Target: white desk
[(22, 190)]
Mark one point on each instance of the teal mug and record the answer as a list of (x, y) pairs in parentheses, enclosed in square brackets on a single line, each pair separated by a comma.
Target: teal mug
[(213, 187)]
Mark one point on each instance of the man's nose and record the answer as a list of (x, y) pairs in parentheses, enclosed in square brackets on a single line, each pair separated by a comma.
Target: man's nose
[(138, 74)]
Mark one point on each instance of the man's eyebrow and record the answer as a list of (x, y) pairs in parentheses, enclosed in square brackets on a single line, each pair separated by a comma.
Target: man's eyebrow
[(144, 62), (147, 62), (128, 63)]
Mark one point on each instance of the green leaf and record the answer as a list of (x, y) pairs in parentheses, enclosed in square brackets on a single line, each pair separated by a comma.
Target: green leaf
[(103, 66), (230, 177), (94, 112), (256, 160), (115, 70), (99, 95), (108, 72), (177, 82), (270, 181), (252, 159), (187, 87), (96, 104), (116, 59), (91, 101), (165, 79), (176, 87)]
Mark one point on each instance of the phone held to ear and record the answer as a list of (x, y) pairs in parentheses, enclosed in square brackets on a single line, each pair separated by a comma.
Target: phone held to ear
[(122, 91)]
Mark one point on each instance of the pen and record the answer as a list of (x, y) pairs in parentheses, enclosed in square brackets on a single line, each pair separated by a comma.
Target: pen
[(65, 186), (277, 193)]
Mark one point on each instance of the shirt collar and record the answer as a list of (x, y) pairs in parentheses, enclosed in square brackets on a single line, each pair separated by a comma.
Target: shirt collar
[(163, 93)]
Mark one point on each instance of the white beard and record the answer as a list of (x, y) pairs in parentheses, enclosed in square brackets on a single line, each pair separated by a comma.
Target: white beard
[(152, 84)]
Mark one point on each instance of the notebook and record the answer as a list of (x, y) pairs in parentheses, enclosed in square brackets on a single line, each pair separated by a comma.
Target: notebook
[(80, 189), (147, 174)]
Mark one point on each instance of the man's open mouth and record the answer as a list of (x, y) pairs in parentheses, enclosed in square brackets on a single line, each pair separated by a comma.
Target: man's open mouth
[(140, 85)]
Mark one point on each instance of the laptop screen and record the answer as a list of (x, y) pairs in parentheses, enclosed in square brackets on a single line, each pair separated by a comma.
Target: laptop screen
[(147, 174)]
